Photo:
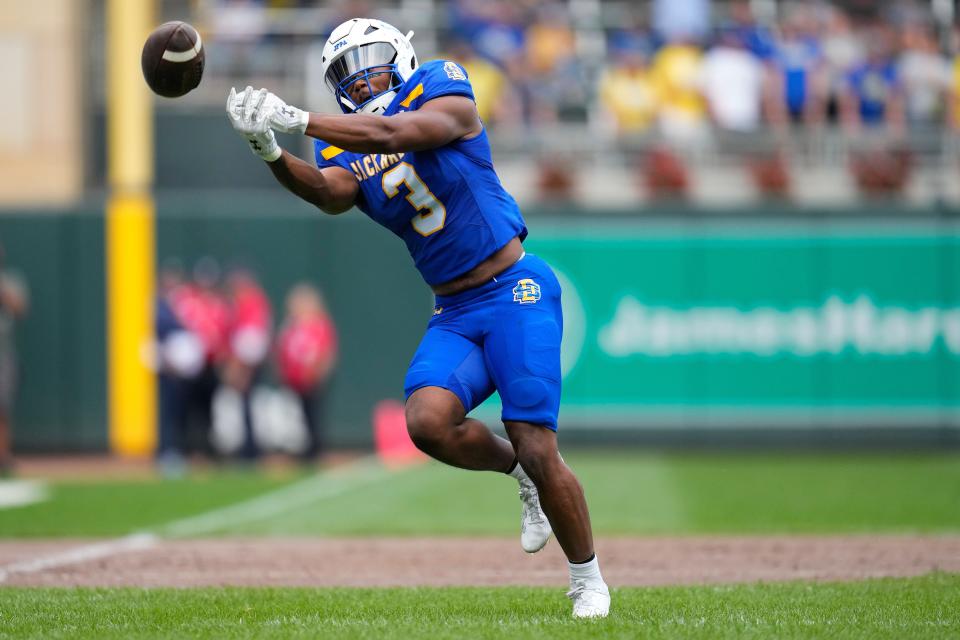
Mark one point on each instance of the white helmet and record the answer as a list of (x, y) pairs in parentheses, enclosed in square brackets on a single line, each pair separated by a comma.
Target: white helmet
[(360, 49)]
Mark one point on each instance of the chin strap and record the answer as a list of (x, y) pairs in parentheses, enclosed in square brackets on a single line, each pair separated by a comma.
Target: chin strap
[(379, 104)]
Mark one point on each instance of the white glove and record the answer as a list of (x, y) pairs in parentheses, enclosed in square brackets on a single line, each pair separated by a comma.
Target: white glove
[(283, 117), (248, 118), (264, 146)]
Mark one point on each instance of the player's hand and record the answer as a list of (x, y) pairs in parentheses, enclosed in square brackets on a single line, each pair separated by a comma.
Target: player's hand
[(283, 117), (245, 111), (247, 117)]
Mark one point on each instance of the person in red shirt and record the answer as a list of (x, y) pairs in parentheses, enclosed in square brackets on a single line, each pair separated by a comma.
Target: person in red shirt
[(251, 323), (202, 310), (306, 356)]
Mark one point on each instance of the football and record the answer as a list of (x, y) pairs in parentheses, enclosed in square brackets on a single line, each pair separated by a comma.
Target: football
[(172, 59)]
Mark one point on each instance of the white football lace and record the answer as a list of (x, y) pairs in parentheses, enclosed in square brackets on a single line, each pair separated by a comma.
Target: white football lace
[(578, 588)]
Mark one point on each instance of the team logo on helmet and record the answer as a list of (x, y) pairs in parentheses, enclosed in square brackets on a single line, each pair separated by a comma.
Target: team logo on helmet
[(371, 52)]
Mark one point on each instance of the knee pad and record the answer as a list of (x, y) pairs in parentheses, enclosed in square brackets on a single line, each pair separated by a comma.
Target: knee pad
[(527, 392)]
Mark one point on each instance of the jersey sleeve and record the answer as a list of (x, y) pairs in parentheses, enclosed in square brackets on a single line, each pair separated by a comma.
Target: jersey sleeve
[(328, 155), (443, 78)]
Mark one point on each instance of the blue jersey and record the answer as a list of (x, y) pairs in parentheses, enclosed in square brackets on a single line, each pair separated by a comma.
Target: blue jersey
[(873, 83), (446, 203)]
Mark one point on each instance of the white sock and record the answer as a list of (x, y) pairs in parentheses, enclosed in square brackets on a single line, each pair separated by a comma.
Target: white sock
[(586, 572), (518, 472)]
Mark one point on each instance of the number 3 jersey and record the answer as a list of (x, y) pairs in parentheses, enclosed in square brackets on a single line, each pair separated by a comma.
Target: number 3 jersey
[(446, 203)]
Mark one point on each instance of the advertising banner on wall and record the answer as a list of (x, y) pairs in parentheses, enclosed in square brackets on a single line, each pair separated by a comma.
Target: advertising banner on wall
[(746, 323)]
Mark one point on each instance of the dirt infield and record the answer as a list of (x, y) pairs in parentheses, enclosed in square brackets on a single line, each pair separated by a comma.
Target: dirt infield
[(377, 562)]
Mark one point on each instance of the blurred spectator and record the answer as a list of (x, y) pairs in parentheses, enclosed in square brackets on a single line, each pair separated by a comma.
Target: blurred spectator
[(14, 302), (802, 69), (676, 73), (494, 27), (180, 358), (344, 10), (497, 33), (626, 91), (733, 82), (238, 26), (953, 108), (873, 94), (290, 4), (306, 356), (201, 309), (842, 50), (756, 38), (495, 99), (926, 77), (239, 21), (687, 20), (251, 322), (549, 40), (558, 85)]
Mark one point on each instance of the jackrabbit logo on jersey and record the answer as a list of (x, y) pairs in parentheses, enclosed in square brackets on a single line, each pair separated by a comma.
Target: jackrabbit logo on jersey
[(526, 292), (454, 72)]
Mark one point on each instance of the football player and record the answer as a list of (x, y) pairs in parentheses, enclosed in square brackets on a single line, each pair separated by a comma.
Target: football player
[(411, 152)]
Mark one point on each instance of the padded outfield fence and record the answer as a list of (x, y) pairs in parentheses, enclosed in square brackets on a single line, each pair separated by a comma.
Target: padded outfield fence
[(677, 322)]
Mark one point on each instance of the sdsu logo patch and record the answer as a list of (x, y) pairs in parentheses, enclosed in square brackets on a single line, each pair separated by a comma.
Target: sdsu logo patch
[(454, 72), (526, 292)]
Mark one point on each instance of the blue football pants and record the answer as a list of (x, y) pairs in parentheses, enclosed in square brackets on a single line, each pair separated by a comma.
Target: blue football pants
[(503, 335)]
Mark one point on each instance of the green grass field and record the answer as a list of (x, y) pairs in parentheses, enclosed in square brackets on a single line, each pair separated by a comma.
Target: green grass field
[(629, 494), (927, 607)]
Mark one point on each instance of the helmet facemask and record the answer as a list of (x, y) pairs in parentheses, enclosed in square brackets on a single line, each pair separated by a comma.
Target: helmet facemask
[(365, 63)]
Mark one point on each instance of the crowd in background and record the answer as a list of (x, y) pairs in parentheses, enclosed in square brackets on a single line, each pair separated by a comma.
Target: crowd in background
[(664, 79), (677, 65), (216, 342)]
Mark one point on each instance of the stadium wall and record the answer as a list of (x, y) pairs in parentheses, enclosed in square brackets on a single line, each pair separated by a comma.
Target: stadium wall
[(681, 327)]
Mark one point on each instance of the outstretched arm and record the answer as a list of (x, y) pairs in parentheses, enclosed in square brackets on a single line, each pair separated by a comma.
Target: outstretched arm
[(332, 189), (438, 122)]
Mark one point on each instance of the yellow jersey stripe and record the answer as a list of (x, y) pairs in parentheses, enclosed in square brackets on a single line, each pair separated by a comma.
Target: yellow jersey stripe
[(413, 95), (331, 152)]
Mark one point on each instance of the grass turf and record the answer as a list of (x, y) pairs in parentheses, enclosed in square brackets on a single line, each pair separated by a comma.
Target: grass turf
[(113, 508), (925, 607), (628, 492), (664, 494)]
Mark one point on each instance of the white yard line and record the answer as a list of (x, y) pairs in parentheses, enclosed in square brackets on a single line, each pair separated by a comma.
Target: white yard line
[(86, 553), (20, 493), (300, 494)]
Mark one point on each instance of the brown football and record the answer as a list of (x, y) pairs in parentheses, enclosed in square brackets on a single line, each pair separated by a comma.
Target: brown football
[(172, 59)]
